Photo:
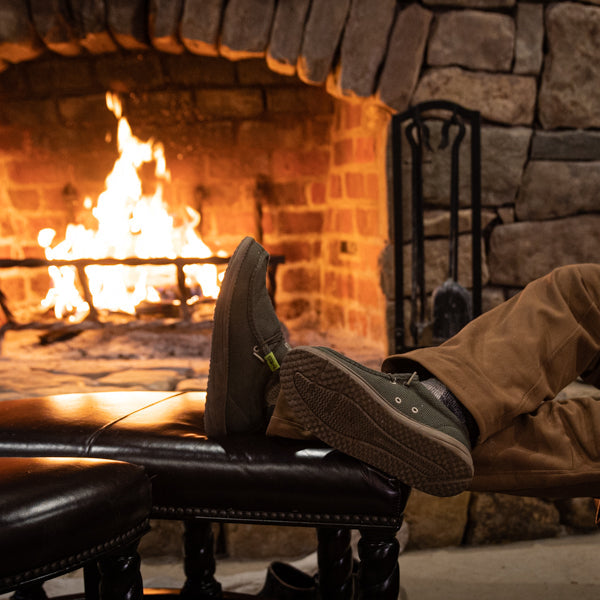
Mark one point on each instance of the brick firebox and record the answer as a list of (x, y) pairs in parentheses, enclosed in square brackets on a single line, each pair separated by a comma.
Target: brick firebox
[(256, 153)]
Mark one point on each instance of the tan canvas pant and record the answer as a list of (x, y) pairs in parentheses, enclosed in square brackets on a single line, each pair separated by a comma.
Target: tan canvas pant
[(508, 365)]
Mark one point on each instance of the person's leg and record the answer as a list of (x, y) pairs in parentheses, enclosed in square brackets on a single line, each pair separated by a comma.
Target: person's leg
[(553, 452), (508, 361)]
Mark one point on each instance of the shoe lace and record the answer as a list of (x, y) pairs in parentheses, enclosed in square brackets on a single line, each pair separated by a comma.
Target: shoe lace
[(403, 378)]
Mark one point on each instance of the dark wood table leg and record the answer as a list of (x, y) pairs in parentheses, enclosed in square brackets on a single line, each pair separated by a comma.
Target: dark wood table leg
[(334, 557), (378, 572), (120, 577), (199, 561)]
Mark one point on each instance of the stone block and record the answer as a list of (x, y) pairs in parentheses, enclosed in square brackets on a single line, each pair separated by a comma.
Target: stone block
[(322, 34), (92, 28), (503, 156), (496, 518), (558, 189), (286, 35), (364, 45), (163, 25), (472, 38), (18, 40), (578, 514), (128, 23), (529, 52), (501, 98), (200, 26), (246, 28), (472, 3), (571, 74), (436, 522), (404, 57), (545, 245), (54, 24), (565, 145)]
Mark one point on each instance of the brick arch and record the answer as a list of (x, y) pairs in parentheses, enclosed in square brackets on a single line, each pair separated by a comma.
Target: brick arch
[(357, 49)]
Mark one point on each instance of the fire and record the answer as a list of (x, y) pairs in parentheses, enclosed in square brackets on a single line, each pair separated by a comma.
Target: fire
[(129, 224)]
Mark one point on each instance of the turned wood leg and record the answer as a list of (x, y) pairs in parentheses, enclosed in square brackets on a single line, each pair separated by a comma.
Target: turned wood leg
[(199, 561), (120, 577), (334, 556), (378, 572)]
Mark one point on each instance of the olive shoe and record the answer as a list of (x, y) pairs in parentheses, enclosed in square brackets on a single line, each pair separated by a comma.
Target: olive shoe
[(247, 349), (389, 421)]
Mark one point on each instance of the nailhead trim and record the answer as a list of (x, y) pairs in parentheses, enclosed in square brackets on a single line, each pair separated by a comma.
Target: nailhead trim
[(309, 518), (76, 560)]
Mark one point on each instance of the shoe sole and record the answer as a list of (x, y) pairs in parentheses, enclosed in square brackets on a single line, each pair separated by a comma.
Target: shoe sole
[(345, 412), (216, 395)]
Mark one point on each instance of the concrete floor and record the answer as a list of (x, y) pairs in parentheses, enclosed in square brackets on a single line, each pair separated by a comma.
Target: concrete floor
[(555, 569)]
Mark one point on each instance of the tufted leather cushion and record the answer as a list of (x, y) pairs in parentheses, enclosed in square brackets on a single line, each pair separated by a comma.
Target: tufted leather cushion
[(58, 513), (246, 478)]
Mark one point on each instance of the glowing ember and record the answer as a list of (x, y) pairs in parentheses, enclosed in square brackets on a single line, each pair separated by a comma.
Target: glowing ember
[(129, 224)]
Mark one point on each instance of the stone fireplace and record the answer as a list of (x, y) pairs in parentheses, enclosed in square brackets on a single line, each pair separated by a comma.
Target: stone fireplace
[(275, 117)]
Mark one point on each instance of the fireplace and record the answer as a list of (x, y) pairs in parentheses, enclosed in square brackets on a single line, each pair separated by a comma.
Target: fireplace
[(253, 151)]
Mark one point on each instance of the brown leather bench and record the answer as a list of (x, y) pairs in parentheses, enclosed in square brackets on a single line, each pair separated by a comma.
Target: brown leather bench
[(245, 479), (60, 514)]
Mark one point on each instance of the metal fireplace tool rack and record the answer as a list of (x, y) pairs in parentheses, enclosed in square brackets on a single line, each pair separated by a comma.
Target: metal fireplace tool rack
[(80, 265)]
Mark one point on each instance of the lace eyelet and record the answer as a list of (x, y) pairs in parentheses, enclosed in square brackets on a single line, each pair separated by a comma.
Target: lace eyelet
[(398, 400), (415, 410)]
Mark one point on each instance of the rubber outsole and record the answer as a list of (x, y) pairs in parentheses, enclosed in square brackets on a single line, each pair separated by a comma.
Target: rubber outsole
[(342, 410)]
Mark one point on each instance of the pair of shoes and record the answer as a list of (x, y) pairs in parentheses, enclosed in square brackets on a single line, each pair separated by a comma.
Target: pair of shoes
[(247, 349), (284, 582), (391, 422)]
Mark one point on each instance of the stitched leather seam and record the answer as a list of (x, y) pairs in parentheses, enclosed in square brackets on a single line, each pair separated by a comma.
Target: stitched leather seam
[(76, 560), (173, 512)]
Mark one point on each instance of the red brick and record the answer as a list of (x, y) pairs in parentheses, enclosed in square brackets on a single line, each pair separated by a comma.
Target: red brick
[(14, 140), (368, 294), (372, 184), (300, 100), (293, 251), (358, 322), (25, 199), (344, 221), (247, 164), (335, 186), (300, 279), (319, 130), (367, 222), (339, 285), (289, 163), (343, 152), (318, 193), (300, 222), (333, 316), (281, 194), (355, 185), (271, 135), (365, 149), (236, 103), (294, 309), (352, 116)]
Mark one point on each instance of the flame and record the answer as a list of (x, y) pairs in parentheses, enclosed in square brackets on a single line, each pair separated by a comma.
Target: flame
[(129, 224)]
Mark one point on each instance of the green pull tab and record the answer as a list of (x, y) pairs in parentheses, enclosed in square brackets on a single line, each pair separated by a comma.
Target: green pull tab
[(272, 362)]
